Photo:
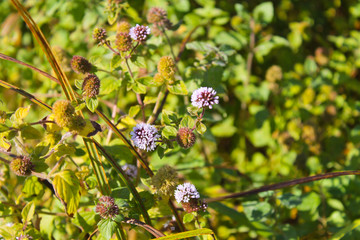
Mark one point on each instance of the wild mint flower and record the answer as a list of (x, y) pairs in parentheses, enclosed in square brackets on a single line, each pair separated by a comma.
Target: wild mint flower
[(189, 197), (139, 33), (204, 97), (130, 170), (144, 136), (167, 68), (185, 192), (100, 35), (123, 27), (107, 208), (63, 112)]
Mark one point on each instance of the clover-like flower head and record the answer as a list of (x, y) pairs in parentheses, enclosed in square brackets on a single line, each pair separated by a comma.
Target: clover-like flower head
[(185, 137), (139, 33), (107, 208), (91, 86), (185, 192), (123, 42), (165, 180), (22, 166), (80, 65), (144, 136), (204, 97)]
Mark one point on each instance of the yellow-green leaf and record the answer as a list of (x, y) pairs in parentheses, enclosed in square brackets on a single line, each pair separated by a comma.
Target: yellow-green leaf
[(28, 212), (67, 188), (188, 234)]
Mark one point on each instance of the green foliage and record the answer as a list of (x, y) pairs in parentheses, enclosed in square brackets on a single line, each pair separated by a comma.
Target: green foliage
[(286, 73)]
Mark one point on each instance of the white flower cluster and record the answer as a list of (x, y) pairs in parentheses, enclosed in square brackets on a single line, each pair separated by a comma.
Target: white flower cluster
[(144, 136), (204, 97), (184, 192), (139, 32), (130, 170)]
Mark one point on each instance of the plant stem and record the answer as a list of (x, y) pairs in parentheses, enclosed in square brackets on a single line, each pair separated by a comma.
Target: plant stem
[(250, 56), (284, 185), (158, 111)]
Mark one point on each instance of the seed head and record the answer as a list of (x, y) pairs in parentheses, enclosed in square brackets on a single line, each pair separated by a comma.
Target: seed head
[(80, 65), (139, 33), (144, 136), (100, 35), (165, 180), (204, 97), (22, 166), (123, 42), (185, 137), (159, 79), (91, 86), (63, 112), (107, 208), (130, 170), (156, 15), (195, 205), (273, 74), (76, 124), (123, 27), (167, 68)]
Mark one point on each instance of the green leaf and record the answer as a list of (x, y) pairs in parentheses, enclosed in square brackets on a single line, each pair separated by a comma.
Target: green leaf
[(147, 81), (256, 211), (134, 110), (340, 234), (29, 132), (32, 187), (67, 188), (28, 212), (264, 12), (169, 131), (92, 103), (3, 127), (138, 88), (109, 84), (178, 88), (193, 110), (149, 100), (188, 217), (78, 83), (115, 62), (200, 127), (188, 234), (19, 114), (107, 228), (187, 121), (86, 220)]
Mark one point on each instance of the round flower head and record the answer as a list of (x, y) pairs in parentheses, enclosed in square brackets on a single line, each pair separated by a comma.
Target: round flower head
[(63, 112), (185, 192), (123, 27), (91, 86), (156, 15), (273, 74), (139, 33), (130, 170), (167, 68), (80, 64), (165, 180), (76, 124), (144, 136), (123, 42), (100, 35), (159, 79), (22, 166), (185, 137), (107, 208), (204, 97)]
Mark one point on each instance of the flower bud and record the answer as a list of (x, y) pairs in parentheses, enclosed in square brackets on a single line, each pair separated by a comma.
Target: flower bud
[(167, 68), (22, 166), (123, 27), (156, 15), (107, 208), (123, 42), (100, 35), (76, 124), (165, 180), (80, 65), (185, 137), (63, 112), (91, 86)]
